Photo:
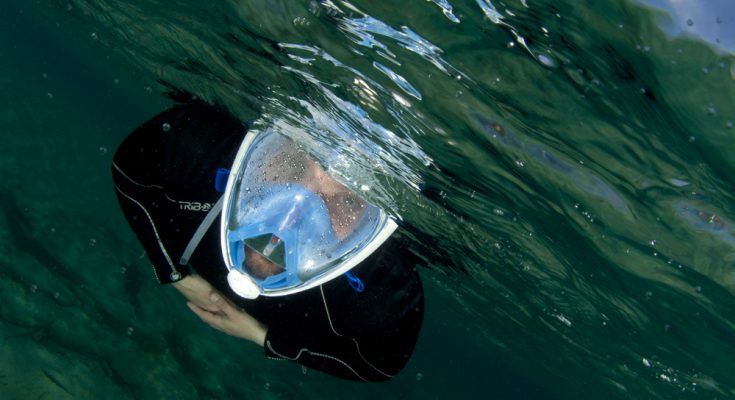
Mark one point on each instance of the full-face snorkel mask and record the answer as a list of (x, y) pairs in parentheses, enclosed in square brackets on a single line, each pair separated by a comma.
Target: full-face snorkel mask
[(287, 225)]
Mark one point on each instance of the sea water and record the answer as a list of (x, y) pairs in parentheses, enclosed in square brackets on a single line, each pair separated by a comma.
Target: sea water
[(572, 163)]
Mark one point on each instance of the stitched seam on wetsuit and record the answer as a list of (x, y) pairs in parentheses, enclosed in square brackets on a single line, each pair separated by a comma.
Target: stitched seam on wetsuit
[(131, 179), (155, 232), (140, 184), (357, 345), (329, 318), (315, 354)]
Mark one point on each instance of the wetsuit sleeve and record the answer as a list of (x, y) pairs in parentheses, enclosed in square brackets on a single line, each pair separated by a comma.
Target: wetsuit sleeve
[(164, 175), (367, 336)]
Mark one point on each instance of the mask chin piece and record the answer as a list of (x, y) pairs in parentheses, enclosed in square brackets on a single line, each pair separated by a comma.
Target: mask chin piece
[(242, 284)]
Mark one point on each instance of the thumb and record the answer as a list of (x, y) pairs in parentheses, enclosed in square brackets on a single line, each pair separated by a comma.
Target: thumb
[(221, 303)]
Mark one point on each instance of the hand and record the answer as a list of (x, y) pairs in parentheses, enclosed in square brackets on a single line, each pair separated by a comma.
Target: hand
[(197, 291), (230, 320)]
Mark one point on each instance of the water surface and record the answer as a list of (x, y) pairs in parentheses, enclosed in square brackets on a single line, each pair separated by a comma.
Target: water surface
[(576, 158)]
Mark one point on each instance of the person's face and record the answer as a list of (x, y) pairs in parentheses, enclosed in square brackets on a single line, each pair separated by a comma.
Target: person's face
[(258, 265), (292, 164), (344, 206), (295, 165)]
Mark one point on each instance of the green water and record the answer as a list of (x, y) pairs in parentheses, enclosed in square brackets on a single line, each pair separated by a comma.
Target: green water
[(580, 156)]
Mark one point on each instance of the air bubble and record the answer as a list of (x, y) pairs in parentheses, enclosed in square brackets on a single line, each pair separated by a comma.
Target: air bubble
[(546, 60), (690, 22), (166, 127)]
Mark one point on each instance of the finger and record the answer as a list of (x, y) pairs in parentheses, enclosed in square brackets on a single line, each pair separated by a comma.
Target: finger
[(213, 308), (206, 316), (221, 303)]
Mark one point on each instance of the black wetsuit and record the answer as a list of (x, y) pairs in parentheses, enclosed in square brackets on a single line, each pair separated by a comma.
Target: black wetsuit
[(164, 174)]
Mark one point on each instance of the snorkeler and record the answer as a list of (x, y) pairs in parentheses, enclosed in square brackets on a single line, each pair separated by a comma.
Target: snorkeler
[(271, 249)]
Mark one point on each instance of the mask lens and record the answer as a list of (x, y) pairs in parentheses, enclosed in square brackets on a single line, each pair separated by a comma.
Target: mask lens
[(269, 246)]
